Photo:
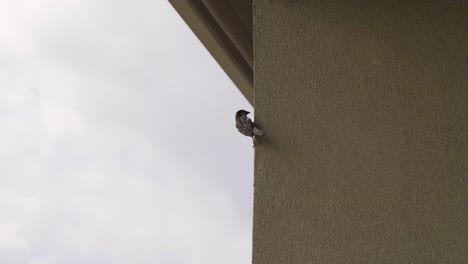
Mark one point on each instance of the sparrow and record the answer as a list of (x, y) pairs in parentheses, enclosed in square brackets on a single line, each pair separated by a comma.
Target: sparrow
[(246, 127)]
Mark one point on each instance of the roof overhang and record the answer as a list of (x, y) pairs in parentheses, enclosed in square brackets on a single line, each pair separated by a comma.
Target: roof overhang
[(225, 28)]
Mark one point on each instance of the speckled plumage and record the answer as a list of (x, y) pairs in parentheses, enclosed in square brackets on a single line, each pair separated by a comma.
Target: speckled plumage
[(246, 127)]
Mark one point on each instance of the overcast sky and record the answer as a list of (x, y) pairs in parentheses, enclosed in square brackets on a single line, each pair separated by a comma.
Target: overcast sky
[(117, 139)]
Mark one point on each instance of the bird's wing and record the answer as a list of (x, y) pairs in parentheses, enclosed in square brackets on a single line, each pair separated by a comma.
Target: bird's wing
[(245, 126)]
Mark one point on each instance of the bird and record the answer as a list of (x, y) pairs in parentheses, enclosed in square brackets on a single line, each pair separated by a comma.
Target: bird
[(246, 127)]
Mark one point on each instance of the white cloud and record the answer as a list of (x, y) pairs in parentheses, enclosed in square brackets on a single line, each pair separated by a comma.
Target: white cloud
[(117, 138)]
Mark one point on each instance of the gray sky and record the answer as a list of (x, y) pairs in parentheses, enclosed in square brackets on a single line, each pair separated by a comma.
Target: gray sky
[(117, 139)]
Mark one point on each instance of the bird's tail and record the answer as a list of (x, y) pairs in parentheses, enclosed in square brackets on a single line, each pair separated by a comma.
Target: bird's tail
[(258, 132)]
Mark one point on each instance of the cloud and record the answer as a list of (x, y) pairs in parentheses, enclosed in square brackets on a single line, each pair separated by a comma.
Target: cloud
[(118, 143)]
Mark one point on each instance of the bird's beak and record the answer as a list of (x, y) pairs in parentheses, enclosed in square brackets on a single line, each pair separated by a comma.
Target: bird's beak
[(247, 112)]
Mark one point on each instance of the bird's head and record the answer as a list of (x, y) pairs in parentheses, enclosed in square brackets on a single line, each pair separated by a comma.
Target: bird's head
[(241, 113)]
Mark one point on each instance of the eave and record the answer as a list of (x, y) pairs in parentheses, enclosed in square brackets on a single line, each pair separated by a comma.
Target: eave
[(225, 29)]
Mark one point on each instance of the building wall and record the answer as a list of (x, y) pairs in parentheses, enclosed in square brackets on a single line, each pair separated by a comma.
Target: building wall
[(365, 106)]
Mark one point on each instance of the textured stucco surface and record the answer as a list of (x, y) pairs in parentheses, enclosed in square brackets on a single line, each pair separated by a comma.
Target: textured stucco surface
[(365, 106)]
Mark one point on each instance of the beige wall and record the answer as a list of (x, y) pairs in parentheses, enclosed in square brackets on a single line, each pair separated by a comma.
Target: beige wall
[(365, 107)]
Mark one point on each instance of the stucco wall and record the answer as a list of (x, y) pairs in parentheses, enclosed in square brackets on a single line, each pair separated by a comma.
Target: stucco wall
[(365, 106)]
